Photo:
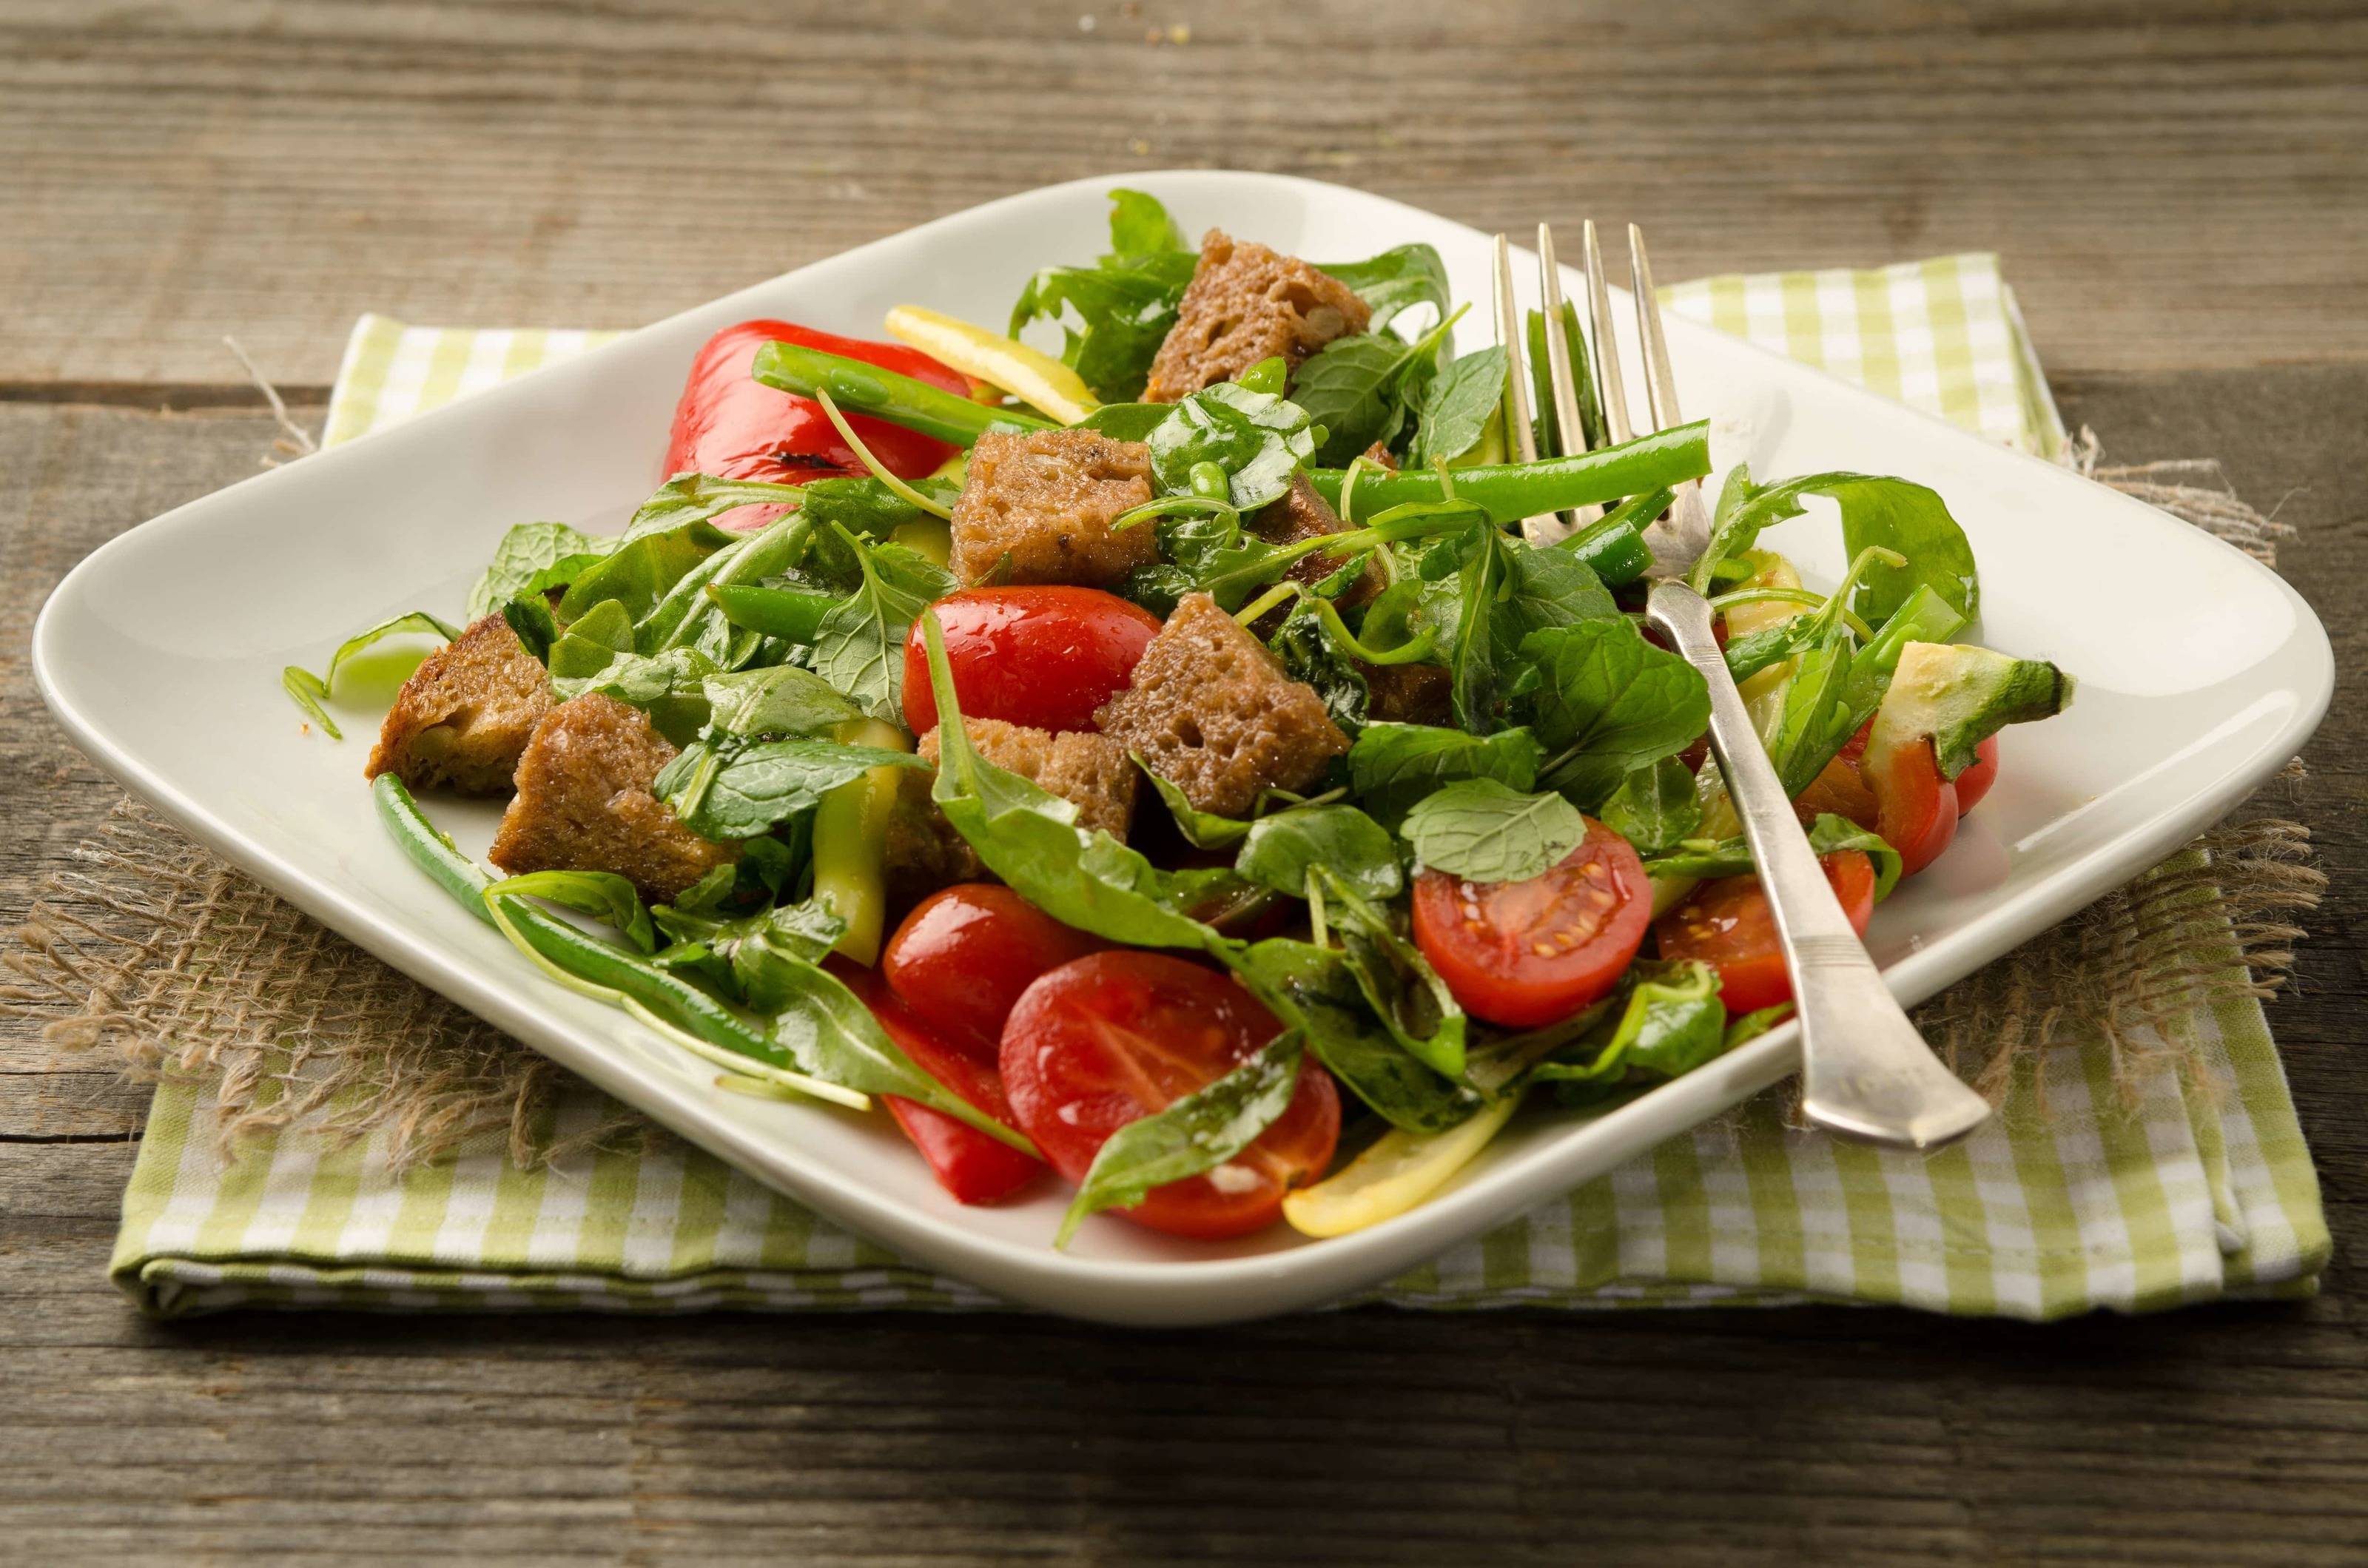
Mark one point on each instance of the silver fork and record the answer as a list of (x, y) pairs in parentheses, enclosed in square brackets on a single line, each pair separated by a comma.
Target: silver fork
[(1866, 1074)]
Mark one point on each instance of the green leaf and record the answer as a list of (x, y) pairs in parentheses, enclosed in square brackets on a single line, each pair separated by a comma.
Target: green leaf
[(723, 788), (1196, 1133), (1352, 387), (1655, 806), (1457, 406), (1392, 765), (860, 646), (779, 699), (1314, 989), (532, 559), (308, 691), (865, 506), (1671, 1023), (1259, 441), (1126, 421), (669, 687), (417, 623), (1894, 514), (642, 567), (601, 894), (1280, 851), (1507, 590), (592, 643), (1138, 225), (1395, 281), (1398, 983), (1483, 831), (1606, 702), (1751, 1026), (1591, 433), (536, 627), (1310, 656), (1829, 835), (1201, 830)]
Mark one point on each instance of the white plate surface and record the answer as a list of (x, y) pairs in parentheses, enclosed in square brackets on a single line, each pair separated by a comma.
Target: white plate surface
[(2201, 672)]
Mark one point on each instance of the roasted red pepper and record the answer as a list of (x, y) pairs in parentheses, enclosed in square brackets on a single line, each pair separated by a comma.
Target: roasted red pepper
[(730, 424)]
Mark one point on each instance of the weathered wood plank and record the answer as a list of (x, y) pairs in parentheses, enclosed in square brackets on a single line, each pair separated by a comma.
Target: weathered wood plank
[(2175, 185)]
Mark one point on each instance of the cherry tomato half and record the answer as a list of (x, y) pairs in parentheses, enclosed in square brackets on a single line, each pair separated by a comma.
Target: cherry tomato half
[(968, 1163), (1113, 1037), (1523, 954), (1975, 781), (1043, 656), (964, 954), (732, 425), (1727, 924), (1839, 789), (1915, 808)]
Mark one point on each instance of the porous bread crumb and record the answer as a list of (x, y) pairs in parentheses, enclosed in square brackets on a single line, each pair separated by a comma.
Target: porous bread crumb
[(1246, 303), (1090, 771), (1037, 508), (465, 714)]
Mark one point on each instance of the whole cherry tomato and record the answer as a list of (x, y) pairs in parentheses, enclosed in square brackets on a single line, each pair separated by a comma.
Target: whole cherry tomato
[(1727, 924), (1114, 1037), (968, 1163), (1044, 656), (731, 425), (1526, 953), (964, 954)]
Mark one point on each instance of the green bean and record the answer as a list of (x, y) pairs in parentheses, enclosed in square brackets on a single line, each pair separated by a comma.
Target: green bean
[(1513, 491), (776, 612), (883, 394), (428, 848)]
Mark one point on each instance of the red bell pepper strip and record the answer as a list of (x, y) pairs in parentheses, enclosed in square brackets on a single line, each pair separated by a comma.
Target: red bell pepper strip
[(730, 424)]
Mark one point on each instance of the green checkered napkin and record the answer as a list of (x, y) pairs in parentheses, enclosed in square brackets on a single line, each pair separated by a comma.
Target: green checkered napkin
[(2189, 1186)]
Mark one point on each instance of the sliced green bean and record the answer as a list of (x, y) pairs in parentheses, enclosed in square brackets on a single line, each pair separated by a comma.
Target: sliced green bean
[(1513, 491)]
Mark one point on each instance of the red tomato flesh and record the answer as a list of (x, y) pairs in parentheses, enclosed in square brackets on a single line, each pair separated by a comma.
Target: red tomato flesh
[(964, 954), (1727, 924), (1916, 809), (1111, 1038), (968, 1163), (1523, 954), (1839, 789), (1042, 656), (1975, 781), (732, 425)]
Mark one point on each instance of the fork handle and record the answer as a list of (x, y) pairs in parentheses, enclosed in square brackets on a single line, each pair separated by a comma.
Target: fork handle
[(1866, 1074)]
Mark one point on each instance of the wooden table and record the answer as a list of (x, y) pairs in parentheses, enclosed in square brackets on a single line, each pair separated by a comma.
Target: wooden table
[(2181, 197)]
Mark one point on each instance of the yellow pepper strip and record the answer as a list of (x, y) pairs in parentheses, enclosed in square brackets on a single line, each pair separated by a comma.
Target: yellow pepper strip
[(1037, 380), (1397, 1172), (851, 842)]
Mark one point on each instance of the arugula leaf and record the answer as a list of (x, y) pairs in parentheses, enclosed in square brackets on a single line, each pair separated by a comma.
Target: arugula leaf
[(1138, 225), (1483, 831), (602, 894), (1671, 1023), (1390, 766), (644, 567), (532, 559), (1281, 851), (1258, 439), (1829, 835), (309, 691), (1894, 514), (1457, 406), (828, 1033), (1655, 806), (1125, 421), (1123, 305), (779, 699), (1398, 983), (536, 627), (669, 687), (867, 508), (1196, 1133), (747, 950), (1395, 281), (1314, 990), (1310, 657), (1507, 591), (1029, 836), (724, 787), (860, 646), (1608, 702)]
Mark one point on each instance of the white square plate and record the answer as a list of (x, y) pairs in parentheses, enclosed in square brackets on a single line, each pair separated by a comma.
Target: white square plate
[(2201, 672)]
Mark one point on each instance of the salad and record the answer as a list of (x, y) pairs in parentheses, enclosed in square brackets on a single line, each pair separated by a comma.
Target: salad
[(1169, 767)]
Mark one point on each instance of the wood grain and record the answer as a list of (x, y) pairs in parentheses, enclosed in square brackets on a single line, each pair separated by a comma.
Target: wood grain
[(2178, 189), (2175, 183)]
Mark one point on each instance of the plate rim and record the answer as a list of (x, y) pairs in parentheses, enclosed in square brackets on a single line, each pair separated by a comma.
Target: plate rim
[(1147, 1291)]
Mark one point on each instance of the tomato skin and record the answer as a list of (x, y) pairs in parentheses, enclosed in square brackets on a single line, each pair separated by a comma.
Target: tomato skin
[(972, 1167), (962, 956), (1045, 656), (1107, 1038), (1916, 807), (1592, 909), (731, 425), (1975, 781), (1726, 924), (1841, 787)]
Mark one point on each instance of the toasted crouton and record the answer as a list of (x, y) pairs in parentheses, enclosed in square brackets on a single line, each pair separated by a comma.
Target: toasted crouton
[(1246, 303), (924, 853), (584, 803), (1037, 508), (464, 715), (1212, 711)]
